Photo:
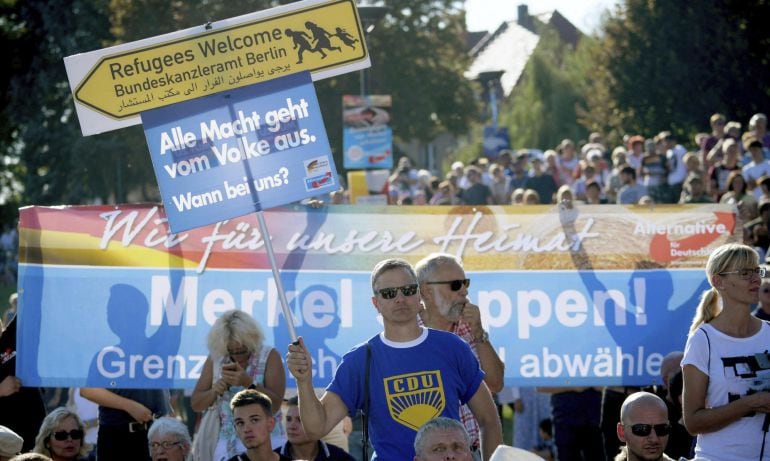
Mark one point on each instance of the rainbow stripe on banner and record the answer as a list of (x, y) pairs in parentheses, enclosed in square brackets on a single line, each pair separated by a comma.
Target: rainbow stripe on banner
[(589, 296)]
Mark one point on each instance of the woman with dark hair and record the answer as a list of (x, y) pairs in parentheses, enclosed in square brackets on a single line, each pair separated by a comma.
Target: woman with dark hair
[(726, 399), (736, 189), (61, 437)]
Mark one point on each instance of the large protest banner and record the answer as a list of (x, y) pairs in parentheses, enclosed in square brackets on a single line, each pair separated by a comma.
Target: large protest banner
[(109, 298)]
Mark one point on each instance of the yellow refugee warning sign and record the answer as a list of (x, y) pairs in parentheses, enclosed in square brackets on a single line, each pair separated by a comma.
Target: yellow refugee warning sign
[(114, 85)]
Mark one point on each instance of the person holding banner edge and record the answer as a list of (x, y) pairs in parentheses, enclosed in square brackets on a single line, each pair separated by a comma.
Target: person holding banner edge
[(126, 414), (407, 363), (140, 406)]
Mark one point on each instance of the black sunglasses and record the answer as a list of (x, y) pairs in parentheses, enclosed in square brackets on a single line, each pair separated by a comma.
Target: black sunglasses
[(643, 430), (454, 285), (74, 434), (390, 293)]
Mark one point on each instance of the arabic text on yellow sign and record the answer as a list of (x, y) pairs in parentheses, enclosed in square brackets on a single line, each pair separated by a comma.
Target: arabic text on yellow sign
[(311, 39)]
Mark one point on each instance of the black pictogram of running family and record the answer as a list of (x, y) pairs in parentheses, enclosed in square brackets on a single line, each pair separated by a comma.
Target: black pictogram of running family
[(320, 39)]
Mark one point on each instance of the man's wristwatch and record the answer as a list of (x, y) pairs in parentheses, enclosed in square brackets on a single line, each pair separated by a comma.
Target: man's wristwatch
[(484, 338)]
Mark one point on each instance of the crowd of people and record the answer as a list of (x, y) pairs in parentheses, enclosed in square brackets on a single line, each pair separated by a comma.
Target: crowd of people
[(434, 357), (727, 165), (655, 169), (241, 391), (433, 338)]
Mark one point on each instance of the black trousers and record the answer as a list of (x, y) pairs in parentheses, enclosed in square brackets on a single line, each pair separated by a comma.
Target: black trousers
[(576, 425), (116, 443), (611, 403)]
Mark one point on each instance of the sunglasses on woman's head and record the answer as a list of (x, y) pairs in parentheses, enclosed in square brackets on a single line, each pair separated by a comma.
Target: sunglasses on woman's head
[(75, 434)]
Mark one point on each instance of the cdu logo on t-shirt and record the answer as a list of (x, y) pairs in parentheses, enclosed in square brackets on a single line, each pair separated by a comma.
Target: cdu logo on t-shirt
[(415, 398)]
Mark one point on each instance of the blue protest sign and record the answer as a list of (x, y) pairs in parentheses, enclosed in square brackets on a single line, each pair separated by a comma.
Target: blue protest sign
[(233, 153), (368, 147), (495, 139), (367, 139)]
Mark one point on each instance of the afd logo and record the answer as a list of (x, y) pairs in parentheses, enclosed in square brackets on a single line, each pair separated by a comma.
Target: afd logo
[(415, 398)]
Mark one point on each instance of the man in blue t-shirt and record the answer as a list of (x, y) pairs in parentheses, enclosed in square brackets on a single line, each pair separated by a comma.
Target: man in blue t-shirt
[(415, 375)]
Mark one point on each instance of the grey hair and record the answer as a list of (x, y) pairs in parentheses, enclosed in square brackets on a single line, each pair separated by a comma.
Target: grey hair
[(430, 264), (30, 457), (236, 326), (172, 426), (388, 265), (48, 427), (439, 423)]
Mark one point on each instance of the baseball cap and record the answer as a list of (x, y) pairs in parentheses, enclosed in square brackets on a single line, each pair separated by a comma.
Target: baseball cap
[(10, 442)]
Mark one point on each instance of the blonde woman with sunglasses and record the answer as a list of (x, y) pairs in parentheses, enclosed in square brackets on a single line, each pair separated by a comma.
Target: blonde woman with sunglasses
[(61, 437), (726, 365)]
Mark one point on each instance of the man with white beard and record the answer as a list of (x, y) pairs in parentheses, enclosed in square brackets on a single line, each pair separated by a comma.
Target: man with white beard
[(444, 292)]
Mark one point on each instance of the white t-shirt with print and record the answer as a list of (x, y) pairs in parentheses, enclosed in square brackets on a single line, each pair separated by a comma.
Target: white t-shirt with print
[(733, 373)]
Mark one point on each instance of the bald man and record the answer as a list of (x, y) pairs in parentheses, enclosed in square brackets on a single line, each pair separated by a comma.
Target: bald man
[(644, 427)]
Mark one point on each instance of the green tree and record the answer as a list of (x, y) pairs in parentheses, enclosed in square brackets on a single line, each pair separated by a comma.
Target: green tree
[(669, 65), (53, 161), (541, 111), (417, 54)]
